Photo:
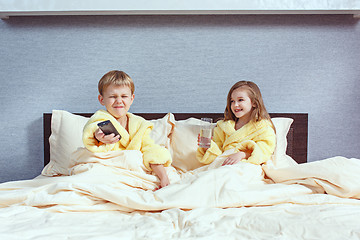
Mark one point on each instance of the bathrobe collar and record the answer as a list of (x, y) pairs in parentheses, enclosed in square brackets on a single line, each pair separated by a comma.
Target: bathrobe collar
[(134, 124), (245, 132)]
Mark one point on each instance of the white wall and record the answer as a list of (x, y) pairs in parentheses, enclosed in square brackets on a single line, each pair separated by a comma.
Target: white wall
[(302, 63)]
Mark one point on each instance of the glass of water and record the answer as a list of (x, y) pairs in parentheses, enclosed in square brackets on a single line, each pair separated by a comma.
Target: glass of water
[(205, 132)]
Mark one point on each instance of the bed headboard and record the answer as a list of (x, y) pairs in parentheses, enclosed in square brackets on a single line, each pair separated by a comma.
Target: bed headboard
[(297, 136)]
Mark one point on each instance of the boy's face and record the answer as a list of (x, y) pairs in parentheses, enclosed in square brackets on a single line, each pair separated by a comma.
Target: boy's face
[(117, 100)]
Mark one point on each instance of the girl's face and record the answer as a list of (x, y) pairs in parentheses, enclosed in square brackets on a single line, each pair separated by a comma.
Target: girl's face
[(241, 104), (117, 100)]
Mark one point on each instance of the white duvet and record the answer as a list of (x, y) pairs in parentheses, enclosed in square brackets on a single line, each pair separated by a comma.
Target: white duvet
[(102, 199)]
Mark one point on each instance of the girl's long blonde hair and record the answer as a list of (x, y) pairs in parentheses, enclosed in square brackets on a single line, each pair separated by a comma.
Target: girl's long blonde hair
[(259, 111)]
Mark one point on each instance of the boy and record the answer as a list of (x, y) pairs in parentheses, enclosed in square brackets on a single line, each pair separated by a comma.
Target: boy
[(116, 93)]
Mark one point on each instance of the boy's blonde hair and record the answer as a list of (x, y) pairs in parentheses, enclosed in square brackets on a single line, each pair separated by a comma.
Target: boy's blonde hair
[(259, 111), (116, 77)]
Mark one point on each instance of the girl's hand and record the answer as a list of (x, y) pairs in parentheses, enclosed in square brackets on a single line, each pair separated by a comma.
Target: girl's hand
[(234, 158), (107, 139), (199, 142)]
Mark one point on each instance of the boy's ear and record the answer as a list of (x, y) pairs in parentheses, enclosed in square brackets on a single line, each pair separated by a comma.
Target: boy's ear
[(101, 99)]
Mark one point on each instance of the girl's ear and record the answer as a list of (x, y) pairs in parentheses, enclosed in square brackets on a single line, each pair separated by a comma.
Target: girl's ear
[(254, 105), (101, 99)]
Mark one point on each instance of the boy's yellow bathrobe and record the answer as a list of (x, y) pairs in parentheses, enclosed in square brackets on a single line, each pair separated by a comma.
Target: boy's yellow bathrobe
[(258, 137), (138, 138)]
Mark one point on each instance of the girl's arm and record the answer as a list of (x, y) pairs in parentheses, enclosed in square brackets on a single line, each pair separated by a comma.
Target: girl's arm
[(236, 157), (261, 148), (207, 155)]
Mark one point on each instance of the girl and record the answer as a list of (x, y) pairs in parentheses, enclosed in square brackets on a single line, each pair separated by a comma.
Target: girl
[(247, 129)]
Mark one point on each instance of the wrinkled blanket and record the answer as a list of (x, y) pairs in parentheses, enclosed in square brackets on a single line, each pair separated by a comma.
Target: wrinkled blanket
[(119, 181)]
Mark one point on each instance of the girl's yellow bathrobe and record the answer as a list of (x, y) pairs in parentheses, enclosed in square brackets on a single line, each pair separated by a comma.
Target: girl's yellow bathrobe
[(258, 137), (138, 138)]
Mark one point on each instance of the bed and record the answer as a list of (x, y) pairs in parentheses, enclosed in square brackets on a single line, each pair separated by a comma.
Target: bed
[(297, 136), (287, 198)]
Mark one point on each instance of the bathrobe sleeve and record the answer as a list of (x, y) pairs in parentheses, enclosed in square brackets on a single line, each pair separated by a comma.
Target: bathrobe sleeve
[(208, 156), (89, 140), (154, 153), (261, 146)]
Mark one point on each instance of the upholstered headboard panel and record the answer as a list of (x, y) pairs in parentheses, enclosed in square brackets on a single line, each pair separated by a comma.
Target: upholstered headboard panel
[(297, 136)]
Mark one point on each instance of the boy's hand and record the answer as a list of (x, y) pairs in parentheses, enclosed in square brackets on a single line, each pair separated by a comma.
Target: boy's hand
[(164, 182), (160, 172), (107, 139)]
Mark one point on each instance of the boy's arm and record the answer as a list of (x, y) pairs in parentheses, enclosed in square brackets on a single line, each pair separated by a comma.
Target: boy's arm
[(156, 158), (107, 139), (154, 153), (159, 170), (90, 137)]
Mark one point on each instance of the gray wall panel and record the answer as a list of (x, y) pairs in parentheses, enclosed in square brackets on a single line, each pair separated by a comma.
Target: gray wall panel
[(302, 63)]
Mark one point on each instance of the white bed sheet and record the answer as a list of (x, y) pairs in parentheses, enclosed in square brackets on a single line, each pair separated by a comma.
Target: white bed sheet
[(317, 200), (284, 221)]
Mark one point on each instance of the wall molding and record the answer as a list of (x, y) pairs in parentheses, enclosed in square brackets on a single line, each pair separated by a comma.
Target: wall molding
[(10, 8)]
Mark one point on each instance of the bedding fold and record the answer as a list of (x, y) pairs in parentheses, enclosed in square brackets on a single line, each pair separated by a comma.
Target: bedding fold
[(336, 176), (103, 182)]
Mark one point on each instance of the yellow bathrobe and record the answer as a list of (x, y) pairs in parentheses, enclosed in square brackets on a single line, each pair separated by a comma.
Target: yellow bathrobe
[(138, 138), (258, 137)]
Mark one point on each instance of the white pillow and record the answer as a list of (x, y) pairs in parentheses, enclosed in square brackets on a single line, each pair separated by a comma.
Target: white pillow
[(183, 143), (66, 137), (280, 158), (162, 129)]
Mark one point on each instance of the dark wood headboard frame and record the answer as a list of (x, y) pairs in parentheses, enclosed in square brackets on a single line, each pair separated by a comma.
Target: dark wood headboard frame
[(297, 136)]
